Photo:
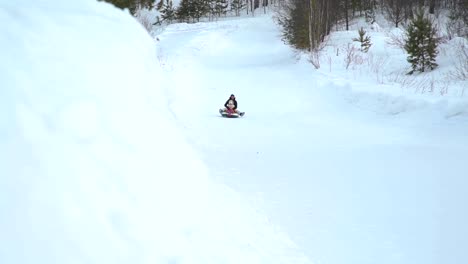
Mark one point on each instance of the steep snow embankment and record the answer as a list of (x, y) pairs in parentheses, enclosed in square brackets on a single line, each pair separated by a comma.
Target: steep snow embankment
[(92, 167)]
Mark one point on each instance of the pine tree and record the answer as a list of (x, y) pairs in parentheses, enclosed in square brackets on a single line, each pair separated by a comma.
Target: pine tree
[(305, 24), (160, 5), (193, 9), (220, 7), (132, 5), (211, 8), (295, 24), (421, 44), (364, 40), (183, 11), (237, 6), (167, 10), (199, 8)]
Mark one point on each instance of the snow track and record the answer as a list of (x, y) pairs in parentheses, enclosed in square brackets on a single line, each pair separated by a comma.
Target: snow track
[(347, 184)]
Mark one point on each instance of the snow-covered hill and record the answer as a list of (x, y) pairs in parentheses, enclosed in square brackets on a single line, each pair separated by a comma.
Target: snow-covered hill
[(93, 168)]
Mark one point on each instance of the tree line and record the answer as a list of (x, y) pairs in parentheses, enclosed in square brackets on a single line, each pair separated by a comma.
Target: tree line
[(193, 10), (305, 23)]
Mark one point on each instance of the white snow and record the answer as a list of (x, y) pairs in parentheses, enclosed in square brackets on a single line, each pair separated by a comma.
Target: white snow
[(112, 149), (355, 169), (93, 168)]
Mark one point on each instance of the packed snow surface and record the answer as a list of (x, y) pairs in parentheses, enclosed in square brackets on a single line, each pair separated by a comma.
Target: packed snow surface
[(354, 171)]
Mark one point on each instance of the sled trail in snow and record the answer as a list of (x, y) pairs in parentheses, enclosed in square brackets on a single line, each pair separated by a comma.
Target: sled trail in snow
[(347, 184)]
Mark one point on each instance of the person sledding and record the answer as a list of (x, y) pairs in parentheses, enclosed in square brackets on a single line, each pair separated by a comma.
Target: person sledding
[(230, 107)]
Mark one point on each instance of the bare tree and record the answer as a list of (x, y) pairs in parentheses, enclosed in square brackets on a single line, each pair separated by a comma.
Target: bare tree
[(346, 13), (394, 9), (432, 6)]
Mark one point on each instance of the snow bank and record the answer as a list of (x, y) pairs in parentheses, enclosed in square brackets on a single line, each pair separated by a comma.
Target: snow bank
[(387, 99), (92, 167), (378, 80)]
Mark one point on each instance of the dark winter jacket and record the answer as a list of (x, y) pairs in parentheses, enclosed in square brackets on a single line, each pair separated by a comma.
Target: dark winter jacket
[(227, 102)]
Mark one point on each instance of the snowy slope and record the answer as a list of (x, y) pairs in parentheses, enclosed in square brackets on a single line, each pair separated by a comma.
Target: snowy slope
[(351, 177), (93, 167), (381, 72)]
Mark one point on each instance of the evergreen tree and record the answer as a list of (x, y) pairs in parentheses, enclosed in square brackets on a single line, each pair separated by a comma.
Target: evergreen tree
[(211, 8), (364, 40), (131, 5), (220, 7), (237, 6), (421, 44), (295, 24), (192, 9), (200, 8), (160, 5), (183, 11), (305, 24), (167, 10)]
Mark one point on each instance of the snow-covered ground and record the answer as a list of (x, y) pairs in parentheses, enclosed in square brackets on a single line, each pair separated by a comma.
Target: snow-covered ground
[(93, 168), (354, 171), (383, 69), (112, 149)]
